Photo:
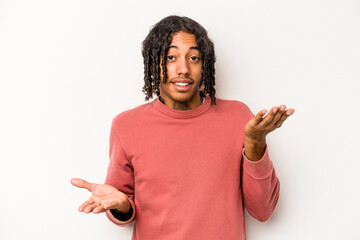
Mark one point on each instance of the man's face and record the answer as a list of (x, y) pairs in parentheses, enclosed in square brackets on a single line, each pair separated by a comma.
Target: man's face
[(184, 67)]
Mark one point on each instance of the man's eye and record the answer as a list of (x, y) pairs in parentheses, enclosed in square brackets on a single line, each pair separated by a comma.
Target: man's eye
[(194, 58), (170, 57)]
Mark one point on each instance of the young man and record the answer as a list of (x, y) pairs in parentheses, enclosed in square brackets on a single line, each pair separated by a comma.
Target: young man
[(185, 165)]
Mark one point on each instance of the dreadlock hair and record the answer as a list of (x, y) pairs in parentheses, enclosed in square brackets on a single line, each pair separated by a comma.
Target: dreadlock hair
[(156, 46)]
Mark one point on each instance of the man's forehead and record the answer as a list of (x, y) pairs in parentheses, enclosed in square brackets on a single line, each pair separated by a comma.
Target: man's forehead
[(183, 38), (191, 48)]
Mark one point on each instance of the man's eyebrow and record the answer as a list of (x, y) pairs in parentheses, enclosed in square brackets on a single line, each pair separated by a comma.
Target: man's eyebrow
[(173, 46)]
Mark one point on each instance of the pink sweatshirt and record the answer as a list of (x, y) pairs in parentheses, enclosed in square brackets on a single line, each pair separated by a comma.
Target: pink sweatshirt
[(185, 172)]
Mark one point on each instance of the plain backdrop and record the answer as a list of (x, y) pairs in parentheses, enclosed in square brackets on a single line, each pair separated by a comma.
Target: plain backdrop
[(68, 67)]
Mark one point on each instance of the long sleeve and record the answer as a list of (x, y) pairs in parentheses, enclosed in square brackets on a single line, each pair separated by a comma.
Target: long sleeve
[(120, 174), (260, 187)]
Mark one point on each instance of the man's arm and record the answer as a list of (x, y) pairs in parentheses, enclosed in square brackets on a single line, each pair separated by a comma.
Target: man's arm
[(259, 181), (120, 175), (260, 186)]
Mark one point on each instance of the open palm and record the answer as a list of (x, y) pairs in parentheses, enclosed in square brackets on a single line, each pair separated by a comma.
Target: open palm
[(104, 197), (259, 126)]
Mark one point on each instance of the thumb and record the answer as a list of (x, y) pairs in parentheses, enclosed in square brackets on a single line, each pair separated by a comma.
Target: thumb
[(81, 183)]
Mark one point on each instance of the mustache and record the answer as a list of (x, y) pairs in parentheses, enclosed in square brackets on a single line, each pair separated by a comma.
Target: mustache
[(181, 77)]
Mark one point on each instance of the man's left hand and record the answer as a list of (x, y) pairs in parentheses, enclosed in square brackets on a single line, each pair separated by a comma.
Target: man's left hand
[(259, 126)]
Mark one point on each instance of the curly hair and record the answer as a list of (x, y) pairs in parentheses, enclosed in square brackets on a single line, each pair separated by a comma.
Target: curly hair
[(156, 46)]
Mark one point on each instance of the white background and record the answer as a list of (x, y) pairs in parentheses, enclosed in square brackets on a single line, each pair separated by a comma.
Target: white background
[(68, 67)]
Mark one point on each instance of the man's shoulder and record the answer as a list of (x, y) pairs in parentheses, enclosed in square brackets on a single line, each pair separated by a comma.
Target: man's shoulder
[(133, 114), (232, 105)]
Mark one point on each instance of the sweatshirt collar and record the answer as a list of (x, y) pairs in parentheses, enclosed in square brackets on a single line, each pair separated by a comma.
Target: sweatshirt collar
[(182, 114)]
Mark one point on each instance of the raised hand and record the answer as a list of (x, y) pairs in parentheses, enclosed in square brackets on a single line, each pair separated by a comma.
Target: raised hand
[(259, 126), (104, 197)]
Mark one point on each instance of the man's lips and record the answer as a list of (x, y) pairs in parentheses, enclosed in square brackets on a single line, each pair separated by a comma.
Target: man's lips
[(182, 84), (182, 80)]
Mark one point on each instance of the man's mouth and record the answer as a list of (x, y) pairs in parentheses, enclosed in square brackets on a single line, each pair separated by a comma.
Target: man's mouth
[(183, 84)]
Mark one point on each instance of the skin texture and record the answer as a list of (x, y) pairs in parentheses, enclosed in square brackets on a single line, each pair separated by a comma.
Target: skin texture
[(183, 63)]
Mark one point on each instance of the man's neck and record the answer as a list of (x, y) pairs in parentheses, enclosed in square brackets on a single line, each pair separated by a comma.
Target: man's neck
[(182, 106)]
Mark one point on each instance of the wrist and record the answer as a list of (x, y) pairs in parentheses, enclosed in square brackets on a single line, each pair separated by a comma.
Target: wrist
[(122, 216), (255, 140), (254, 148), (124, 208)]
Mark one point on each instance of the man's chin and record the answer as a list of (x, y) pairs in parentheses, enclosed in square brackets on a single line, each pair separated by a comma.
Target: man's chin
[(182, 99), (184, 96)]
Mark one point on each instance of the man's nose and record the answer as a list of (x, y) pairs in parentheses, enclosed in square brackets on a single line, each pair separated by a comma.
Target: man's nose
[(182, 67)]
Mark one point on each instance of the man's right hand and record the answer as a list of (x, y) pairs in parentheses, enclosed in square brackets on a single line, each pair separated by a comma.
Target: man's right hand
[(104, 197)]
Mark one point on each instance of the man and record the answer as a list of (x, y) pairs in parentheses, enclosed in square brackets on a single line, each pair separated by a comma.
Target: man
[(185, 165)]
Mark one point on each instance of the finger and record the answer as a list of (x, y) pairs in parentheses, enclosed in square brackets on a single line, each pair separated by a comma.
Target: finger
[(278, 115), (259, 116), (85, 204), (90, 208), (281, 121), (99, 209), (78, 182), (290, 111), (269, 117), (284, 116), (282, 108)]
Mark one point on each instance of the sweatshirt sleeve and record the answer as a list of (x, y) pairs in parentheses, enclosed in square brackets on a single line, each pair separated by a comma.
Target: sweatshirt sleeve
[(120, 175), (260, 186)]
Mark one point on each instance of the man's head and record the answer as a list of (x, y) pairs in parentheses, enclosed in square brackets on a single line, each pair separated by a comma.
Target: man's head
[(181, 40)]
